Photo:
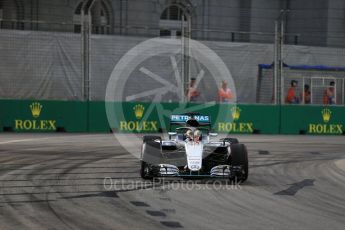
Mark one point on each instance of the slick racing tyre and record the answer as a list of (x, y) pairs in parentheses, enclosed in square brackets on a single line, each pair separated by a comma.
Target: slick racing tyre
[(151, 138), (230, 140), (145, 172), (239, 157), (151, 154)]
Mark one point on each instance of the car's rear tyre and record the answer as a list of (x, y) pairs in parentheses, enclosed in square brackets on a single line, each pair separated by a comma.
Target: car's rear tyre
[(230, 140), (151, 138), (239, 157)]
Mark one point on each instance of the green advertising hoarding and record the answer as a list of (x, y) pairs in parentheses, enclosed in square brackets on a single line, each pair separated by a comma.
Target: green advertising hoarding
[(225, 118), (324, 120), (43, 116), (140, 117), (262, 119), (97, 118)]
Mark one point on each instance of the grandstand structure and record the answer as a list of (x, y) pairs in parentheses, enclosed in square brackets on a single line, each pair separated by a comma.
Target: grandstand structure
[(66, 50)]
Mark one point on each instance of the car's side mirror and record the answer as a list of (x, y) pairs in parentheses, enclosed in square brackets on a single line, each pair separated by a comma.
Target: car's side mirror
[(213, 134)]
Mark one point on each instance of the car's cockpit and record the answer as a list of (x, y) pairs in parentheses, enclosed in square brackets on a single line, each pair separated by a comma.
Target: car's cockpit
[(189, 134)]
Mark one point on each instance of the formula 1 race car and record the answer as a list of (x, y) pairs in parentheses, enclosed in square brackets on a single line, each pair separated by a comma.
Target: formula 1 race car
[(190, 153)]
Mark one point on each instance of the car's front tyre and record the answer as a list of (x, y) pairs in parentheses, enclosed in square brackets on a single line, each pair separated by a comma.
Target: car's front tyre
[(145, 170), (239, 158), (151, 154)]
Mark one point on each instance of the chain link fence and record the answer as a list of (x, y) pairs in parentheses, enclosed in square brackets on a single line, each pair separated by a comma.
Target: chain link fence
[(40, 64), (313, 84), (72, 58)]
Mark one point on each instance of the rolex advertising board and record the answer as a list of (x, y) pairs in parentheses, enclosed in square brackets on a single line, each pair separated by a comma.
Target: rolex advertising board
[(135, 117), (316, 120), (247, 119), (135, 121), (155, 117), (43, 116), (326, 125), (146, 117), (236, 125), (35, 123)]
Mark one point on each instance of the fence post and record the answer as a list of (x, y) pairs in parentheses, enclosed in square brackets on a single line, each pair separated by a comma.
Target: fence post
[(276, 47), (281, 46), (186, 36), (86, 31)]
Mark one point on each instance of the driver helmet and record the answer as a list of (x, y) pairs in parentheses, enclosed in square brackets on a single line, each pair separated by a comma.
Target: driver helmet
[(189, 135), (197, 135)]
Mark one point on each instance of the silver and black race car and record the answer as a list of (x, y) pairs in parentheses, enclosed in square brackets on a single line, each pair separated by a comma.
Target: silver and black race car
[(190, 152)]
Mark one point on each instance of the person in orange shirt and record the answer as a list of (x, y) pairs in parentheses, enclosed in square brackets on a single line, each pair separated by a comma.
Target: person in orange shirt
[(293, 96), (192, 93), (224, 93), (328, 95), (307, 94)]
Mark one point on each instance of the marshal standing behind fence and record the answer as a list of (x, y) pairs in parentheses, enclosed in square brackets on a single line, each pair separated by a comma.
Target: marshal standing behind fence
[(224, 93), (293, 95)]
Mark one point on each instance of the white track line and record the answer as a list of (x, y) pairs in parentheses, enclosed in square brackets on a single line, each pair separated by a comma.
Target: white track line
[(23, 140), (37, 139)]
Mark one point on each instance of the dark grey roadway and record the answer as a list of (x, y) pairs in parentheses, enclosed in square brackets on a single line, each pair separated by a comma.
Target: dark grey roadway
[(56, 181)]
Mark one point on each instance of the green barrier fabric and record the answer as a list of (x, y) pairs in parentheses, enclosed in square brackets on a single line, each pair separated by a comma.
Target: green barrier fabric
[(262, 119), (150, 117), (97, 117), (76, 116), (42, 116), (312, 120)]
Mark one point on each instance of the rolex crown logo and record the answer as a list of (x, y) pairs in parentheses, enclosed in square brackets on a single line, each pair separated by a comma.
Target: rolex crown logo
[(36, 109), (326, 115), (139, 111), (235, 113)]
